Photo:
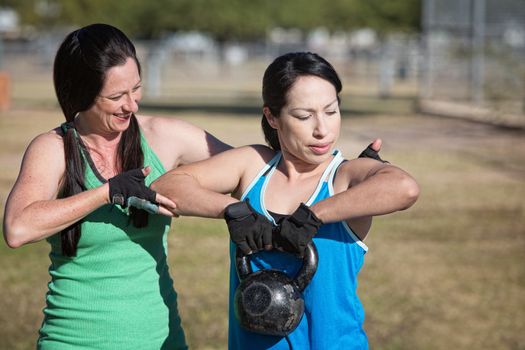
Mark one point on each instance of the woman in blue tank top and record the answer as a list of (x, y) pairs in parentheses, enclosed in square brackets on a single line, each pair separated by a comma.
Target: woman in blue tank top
[(297, 190)]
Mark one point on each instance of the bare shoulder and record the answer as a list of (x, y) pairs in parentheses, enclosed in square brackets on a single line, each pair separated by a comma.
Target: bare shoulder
[(43, 164), (177, 141), (45, 149), (254, 158), (252, 155), (165, 137), (159, 126), (50, 144)]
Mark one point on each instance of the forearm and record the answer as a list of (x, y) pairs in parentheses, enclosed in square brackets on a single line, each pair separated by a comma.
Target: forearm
[(44, 218), (191, 199), (383, 193)]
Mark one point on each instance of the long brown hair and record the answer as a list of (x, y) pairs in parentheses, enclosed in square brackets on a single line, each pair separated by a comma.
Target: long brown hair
[(79, 71)]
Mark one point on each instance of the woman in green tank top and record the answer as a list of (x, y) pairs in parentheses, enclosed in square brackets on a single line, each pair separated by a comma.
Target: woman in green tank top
[(110, 286)]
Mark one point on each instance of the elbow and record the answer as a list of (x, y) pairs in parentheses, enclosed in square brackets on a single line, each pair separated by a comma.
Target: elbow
[(13, 236), (411, 191), (13, 242)]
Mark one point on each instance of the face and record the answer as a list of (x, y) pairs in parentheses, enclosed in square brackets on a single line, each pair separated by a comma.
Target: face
[(309, 123), (118, 98)]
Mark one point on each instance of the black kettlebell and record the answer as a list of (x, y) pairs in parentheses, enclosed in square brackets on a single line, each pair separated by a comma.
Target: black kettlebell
[(268, 301)]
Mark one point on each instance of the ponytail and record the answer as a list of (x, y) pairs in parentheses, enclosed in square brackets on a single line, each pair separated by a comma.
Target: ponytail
[(130, 156), (73, 183)]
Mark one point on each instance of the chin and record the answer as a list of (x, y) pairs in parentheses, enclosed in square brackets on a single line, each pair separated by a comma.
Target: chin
[(121, 125)]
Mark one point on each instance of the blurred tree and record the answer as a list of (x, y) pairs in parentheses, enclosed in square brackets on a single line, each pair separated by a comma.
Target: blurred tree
[(224, 19)]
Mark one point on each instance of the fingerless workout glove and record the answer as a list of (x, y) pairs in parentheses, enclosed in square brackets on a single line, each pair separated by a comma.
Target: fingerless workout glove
[(127, 185), (250, 230), (369, 152), (296, 231)]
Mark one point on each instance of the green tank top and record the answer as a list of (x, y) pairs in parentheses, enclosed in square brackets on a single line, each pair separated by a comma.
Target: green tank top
[(116, 293)]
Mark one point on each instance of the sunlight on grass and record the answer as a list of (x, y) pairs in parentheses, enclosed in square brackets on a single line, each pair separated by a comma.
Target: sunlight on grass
[(446, 274)]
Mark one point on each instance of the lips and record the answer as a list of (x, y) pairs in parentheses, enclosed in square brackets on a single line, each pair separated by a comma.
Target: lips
[(122, 117), (320, 148)]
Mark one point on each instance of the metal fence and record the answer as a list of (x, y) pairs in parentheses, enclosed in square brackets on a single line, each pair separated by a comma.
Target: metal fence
[(191, 68), (473, 61)]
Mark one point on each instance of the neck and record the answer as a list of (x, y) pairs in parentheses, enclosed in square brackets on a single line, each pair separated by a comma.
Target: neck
[(296, 168), (95, 137)]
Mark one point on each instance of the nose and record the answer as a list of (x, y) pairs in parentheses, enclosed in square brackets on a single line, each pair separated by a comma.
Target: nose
[(320, 129), (132, 103)]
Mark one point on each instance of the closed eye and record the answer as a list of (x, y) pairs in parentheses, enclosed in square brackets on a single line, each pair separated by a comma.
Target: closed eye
[(303, 117), (115, 98)]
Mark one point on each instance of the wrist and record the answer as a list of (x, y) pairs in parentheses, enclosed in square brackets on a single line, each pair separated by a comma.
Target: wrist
[(236, 210), (104, 193), (318, 213)]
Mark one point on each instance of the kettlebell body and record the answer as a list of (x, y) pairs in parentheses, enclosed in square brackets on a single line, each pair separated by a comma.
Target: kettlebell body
[(269, 301)]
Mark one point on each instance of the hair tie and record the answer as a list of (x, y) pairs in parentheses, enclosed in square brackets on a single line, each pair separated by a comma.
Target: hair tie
[(66, 126)]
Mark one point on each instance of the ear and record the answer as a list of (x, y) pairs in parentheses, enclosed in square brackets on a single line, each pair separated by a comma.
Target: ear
[(269, 117)]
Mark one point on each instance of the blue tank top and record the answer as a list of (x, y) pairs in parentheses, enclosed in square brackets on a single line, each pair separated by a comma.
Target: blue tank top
[(334, 316)]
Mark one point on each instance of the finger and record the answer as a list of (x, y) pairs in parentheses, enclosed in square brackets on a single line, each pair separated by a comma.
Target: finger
[(260, 244), (376, 145), (166, 212), (251, 243), (244, 247), (259, 240), (267, 239), (369, 153), (143, 204), (165, 201), (146, 170)]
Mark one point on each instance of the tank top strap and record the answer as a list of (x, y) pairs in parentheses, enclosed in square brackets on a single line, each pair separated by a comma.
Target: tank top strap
[(325, 177), (268, 167), (151, 159), (332, 174)]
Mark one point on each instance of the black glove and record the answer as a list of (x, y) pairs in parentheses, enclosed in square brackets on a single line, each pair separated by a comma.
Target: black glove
[(296, 231), (128, 186), (250, 230), (369, 152)]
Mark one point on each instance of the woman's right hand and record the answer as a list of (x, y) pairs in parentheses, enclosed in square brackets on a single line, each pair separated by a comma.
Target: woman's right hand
[(250, 230), (129, 189)]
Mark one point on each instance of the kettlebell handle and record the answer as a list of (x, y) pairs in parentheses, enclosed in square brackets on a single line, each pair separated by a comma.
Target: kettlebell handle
[(303, 276)]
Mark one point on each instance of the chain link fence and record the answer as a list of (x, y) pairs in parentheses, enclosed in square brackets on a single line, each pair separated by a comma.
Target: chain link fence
[(473, 62)]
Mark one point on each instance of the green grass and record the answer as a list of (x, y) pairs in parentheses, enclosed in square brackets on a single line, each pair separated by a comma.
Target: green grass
[(448, 273)]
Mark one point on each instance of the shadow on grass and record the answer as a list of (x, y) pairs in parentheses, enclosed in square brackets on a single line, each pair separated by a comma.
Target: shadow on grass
[(350, 106)]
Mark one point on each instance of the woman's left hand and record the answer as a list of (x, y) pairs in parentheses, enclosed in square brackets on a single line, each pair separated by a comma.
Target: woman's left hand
[(296, 231), (372, 151)]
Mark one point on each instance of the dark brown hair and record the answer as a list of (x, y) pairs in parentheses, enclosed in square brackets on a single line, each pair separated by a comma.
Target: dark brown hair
[(280, 76), (79, 72)]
